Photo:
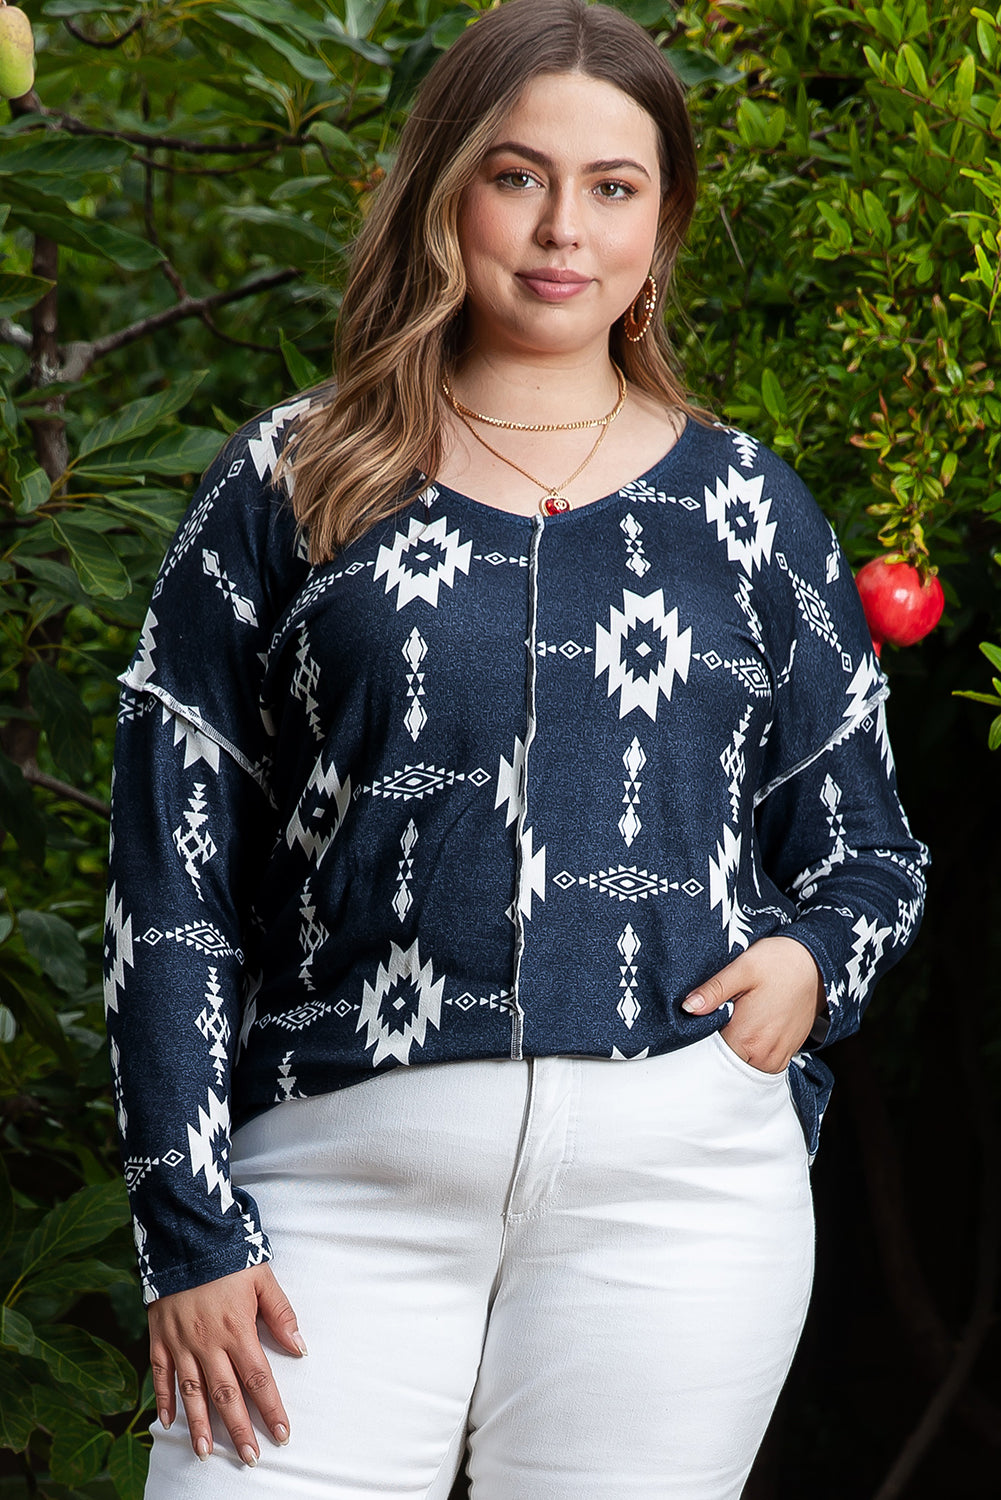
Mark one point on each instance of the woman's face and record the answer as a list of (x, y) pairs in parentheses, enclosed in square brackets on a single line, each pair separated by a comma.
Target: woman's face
[(557, 229)]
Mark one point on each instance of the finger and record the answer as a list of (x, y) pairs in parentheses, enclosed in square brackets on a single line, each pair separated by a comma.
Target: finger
[(259, 1383), (276, 1310), (194, 1399), (728, 984), (164, 1387), (224, 1385)]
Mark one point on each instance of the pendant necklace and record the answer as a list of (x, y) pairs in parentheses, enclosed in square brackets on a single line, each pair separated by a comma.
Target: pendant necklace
[(554, 502)]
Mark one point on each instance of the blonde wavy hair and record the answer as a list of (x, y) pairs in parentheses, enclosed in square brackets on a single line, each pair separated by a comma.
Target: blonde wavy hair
[(372, 435)]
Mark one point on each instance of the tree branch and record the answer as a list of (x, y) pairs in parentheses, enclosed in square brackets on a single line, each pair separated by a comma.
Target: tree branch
[(31, 773), (79, 357), (91, 41), (13, 333), (169, 142)]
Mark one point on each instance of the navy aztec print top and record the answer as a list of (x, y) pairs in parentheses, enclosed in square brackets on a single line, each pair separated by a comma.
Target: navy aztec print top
[(484, 786)]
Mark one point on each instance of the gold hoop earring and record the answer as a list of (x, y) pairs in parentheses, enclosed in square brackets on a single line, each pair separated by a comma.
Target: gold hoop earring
[(635, 326)]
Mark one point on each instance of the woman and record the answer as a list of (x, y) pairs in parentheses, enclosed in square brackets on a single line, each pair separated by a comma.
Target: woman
[(454, 780)]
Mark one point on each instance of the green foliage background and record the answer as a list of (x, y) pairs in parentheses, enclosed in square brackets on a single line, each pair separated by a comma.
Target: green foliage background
[(175, 201)]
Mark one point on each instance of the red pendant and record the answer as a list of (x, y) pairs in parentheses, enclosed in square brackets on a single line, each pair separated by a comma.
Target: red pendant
[(554, 505)]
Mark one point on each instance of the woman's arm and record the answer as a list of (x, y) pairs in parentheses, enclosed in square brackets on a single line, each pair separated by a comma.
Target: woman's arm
[(191, 829)]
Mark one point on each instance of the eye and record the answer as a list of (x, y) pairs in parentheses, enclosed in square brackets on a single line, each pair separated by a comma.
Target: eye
[(517, 178), (614, 191)]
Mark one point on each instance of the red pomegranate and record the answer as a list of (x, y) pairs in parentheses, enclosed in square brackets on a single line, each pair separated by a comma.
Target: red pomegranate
[(899, 606)]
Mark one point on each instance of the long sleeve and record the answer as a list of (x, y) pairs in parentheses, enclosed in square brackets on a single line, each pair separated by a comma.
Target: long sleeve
[(192, 825), (831, 831)]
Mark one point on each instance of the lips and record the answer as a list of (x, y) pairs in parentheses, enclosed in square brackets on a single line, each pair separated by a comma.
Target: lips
[(553, 283)]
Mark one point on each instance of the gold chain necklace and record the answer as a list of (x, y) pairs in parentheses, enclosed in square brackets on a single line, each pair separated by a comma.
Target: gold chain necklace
[(553, 502), (479, 416)]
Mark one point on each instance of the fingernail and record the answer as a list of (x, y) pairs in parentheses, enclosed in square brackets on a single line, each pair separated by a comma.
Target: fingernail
[(281, 1434), (165, 1418), (202, 1448), (300, 1343), (249, 1457), (694, 1004)]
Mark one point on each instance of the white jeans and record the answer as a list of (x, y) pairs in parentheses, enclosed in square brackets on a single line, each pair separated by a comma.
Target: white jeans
[(596, 1274)]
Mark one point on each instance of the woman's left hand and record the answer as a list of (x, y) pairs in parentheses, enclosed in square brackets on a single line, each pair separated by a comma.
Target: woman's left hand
[(777, 995)]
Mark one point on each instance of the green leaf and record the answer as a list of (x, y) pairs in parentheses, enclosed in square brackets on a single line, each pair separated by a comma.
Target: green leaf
[(57, 578), (17, 1416), (18, 813), (73, 8), (161, 508), (78, 1449), (64, 718), (877, 218), (128, 1463), (992, 653), (92, 237), (140, 417), (994, 735), (915, 66), (82, 1362), (56, 949), (306, 66), (35, 488), (966, 77), (15, 1331), (183, 450), (54, 154), (20, 292), (97, 564), (83, 1220), (36, 1016), (302, 370), (67, 1281), (773, 396)]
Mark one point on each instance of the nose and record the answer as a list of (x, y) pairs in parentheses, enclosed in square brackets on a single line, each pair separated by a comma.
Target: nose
[(560, 223)]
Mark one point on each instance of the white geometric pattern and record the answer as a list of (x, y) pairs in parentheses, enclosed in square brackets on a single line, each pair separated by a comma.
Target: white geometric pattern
[(117, 948), (306, 681), (746, 446), (208, 1147), (243, 608), (867, 950), (312, 934), (732, 761), (636, 560), (812, 605), (190, 528), (641, 631), (510, 782), (629, 946), (421, 780), (634, 760), (397, 1010), (287, 1081), (414, 651), (641, 490), (531, 873), (404, 896), (441, 552), (323, 786), (197, 746), (195, 844), (741, 518), (264, 449), (723, 889), (620, 882), (213, 1023)]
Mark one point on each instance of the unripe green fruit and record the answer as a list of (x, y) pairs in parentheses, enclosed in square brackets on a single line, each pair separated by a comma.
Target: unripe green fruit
[(17, 53)]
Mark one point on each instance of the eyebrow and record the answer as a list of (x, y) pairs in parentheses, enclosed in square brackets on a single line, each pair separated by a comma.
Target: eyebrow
[(541, 160)]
